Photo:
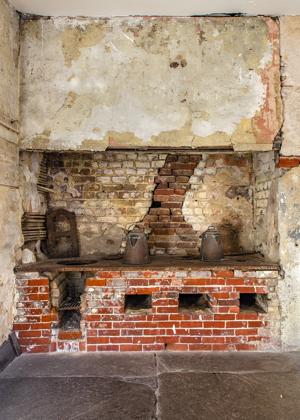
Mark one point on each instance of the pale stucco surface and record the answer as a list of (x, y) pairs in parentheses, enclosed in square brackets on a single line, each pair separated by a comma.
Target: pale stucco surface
[(290, 53), (288, 184), (9, 29), (89, 84), (221, 195), (10, 213), (289, 231)]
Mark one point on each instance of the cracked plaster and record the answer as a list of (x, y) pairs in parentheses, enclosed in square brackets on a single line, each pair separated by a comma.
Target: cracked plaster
[(157, 82)]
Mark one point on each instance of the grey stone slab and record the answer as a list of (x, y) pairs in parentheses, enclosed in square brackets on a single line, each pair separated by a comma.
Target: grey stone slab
[(112, 386), (214, 396), (228, 362), (75, 398), (7, 354), (82, 365)]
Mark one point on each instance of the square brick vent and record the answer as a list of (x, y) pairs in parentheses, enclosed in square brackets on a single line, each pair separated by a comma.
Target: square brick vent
[(138, 303), (191, 302)]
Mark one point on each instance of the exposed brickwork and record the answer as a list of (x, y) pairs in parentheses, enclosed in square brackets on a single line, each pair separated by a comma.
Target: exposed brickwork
[(176, 195), (221, 194), (288, 162), (265, 204), (109, 192), (69, 335), (263, 173), (34, 319), (106, 325), (58, 289), (170, 233)]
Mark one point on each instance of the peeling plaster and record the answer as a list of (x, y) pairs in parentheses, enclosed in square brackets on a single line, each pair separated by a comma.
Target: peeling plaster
[(221, 195), (289, 43), (9, 48), (93, 83), (289, 227), (10, 208)]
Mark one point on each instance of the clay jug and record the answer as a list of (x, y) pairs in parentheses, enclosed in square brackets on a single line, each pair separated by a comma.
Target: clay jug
[(211, 246), (136, 250)]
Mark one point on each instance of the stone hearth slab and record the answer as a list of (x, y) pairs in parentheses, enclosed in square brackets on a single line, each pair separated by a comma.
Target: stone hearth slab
[(245, 362), (120, 365), (162, 386), (215, 396), (75, 398)]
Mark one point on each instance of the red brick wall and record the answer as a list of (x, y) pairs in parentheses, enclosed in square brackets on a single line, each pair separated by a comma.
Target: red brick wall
[(34, 319), (106, 326), (170, 233), (288, 162), (176, 196)]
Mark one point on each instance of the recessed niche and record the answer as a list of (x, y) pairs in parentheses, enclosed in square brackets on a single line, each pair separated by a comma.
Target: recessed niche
[(253, 302), (191, 302), (138, 303)]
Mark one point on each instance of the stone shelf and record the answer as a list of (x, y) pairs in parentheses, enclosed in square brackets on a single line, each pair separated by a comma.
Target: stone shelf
[(244, 262)]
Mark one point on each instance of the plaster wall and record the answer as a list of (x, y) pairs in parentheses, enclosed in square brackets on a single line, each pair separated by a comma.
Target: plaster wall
[(9, 181), (289, 186), (87, 84), (32, 200), (289, 231), (221, 195), (289, 41)]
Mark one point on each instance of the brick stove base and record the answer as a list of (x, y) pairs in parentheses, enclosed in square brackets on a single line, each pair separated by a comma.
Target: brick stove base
[(118, 314)]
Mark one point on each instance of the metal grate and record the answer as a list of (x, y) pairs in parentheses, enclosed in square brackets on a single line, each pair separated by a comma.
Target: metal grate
[(70, 304)]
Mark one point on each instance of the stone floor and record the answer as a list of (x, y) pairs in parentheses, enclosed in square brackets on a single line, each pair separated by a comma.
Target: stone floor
[(167, 386)]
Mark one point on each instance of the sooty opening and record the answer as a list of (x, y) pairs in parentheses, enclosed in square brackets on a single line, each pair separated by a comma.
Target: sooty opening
[(137, 303), (69, 320), (253, 302), (190, 302)]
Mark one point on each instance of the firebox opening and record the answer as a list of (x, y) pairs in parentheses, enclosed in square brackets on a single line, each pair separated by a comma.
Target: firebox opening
[(253, 302), (137, 303), (70, 320), (70, 287), (190, 302)]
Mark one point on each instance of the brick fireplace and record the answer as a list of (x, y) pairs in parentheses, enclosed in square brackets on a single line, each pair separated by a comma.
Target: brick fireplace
[(161, 308), (203, 154), (176, 302), (171, 124)]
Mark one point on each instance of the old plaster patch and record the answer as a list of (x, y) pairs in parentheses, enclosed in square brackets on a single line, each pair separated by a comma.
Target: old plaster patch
[(219, 194), (126, 88), (75, 38), (288, 224), (9, 50)]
